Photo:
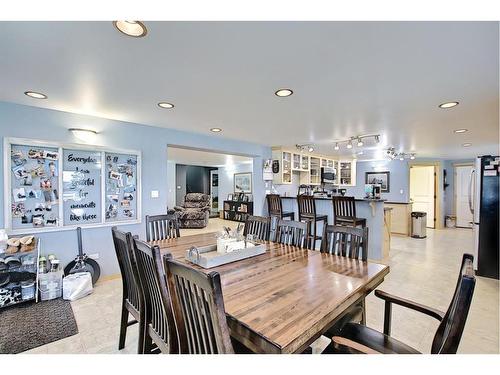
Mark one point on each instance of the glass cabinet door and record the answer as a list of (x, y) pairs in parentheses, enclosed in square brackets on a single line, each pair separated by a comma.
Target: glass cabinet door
[(315, 171), (345, 173), (296, 162), (305, 163), (287, 167)]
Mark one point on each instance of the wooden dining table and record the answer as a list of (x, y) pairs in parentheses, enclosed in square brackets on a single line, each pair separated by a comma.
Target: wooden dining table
[(283, 300)]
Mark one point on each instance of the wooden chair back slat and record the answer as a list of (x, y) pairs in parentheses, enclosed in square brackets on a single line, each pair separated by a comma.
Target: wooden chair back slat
[(123, 243), (274, 205), (162, 227), (293, 233), (158, 311), (344, 207), (449, 332), (258, 226), (345, 241), (307, 206), (198, 308)]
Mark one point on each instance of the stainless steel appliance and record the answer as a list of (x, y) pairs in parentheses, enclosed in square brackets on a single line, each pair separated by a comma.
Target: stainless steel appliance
[(419, 224), (328, 175), (483, 203)]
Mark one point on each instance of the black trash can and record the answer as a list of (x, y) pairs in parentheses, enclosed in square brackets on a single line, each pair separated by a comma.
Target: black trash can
[(419, 224)]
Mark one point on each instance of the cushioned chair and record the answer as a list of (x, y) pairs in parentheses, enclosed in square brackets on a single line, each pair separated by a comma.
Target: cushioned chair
[(195, 211)]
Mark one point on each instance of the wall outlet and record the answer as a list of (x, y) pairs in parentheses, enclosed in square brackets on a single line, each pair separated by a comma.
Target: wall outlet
[(155, 193), (94, 256)]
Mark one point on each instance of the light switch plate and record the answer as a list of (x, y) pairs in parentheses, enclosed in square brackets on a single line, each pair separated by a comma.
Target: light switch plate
[(155, 193)]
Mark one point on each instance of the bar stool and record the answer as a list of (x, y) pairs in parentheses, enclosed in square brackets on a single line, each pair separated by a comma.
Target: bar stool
[(307, 212), (344, 212), (276, 208)]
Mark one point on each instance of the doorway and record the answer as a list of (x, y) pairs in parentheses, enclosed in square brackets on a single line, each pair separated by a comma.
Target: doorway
[(423, 191), (463, 195)]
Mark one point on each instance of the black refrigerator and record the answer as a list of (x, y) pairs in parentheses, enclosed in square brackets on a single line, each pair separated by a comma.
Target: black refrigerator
[(484, 196)]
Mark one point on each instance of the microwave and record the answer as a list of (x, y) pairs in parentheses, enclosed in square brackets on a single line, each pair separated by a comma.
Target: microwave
[(328, 176)]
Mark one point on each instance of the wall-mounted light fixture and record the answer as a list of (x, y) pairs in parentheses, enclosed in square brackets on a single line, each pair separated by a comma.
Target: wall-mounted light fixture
[(85, 135)]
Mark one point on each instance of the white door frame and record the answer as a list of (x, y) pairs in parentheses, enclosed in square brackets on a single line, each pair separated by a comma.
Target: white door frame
[(438, 188)]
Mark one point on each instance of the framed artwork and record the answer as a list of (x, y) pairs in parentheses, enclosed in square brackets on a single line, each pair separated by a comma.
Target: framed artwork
[(243, 182), (381, 178)]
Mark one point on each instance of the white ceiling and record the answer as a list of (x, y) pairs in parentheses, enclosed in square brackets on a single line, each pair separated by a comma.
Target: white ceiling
[(348, 78), (205, 159)]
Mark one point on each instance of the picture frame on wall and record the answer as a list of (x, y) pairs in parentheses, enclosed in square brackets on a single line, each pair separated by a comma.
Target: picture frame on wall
[(243, 182), (381, 178)]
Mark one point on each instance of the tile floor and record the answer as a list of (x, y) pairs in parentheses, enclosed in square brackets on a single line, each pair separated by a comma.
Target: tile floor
[(423, 270)]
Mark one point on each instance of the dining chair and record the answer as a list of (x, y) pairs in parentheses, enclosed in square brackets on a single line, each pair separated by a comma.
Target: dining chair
[(307, 212), (275, 207), (293, 233), (132, 299), (356, 338), (159, 324), (345, 241), (257, 226), (162, 227), (344, 212), (198, 307), (352, 243)]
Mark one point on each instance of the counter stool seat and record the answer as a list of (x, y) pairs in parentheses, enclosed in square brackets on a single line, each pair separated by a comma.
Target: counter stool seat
[(344, 212), (351, 222), (307, 212)]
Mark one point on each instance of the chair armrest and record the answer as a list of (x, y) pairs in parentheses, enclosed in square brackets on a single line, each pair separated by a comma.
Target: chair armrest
[(349, 346), (389, 298)]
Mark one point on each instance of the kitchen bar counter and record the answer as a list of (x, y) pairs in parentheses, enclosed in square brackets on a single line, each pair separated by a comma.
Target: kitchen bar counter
[(370, 209)]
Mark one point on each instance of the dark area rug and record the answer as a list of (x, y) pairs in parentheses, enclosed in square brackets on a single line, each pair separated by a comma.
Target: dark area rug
[(29, 325)]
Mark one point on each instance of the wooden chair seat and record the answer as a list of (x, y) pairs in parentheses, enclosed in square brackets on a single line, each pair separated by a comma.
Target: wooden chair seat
[(314, 217), (349, 221), (369, 338)]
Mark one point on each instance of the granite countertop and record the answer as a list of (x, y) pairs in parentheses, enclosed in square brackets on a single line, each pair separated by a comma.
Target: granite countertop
[(329, 199)]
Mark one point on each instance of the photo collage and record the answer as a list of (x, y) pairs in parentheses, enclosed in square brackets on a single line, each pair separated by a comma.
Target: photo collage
[(121, 187), (34, 186)]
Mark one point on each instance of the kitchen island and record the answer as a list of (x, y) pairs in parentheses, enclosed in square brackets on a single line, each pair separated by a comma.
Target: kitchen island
[(370, 209)]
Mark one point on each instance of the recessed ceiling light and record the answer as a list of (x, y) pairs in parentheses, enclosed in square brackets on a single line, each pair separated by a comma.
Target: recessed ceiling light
[(283, 93), (466, 144), (460, 131), (216, 130), (448, 105), (35, 95), (135, 29), (165, 105)]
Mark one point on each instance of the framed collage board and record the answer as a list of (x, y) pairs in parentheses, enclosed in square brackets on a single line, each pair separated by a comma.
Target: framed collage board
[(57, 186)]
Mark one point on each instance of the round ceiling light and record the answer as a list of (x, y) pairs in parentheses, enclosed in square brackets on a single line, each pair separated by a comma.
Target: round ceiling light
[(448, 105), (35, 95), (215, 130), (459, 131), (135, 29), (165, 105), (466, 144), (283, 93)]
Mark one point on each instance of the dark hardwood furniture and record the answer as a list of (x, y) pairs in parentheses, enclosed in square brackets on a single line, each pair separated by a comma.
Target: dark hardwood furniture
[(293, 233), (258, 226), (356, 338), (307, 212), (344, 212), (283, 300), (162, 227), (237, 210), (345, 241), (132, 299), (159, 324), (198, 307), (351, 243), (275, 207)]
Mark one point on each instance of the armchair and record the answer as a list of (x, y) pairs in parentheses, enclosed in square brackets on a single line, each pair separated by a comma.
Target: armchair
[(195, 211)]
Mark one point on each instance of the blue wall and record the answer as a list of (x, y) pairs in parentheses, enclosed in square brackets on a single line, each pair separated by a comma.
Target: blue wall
[(30, 122), (399, 179)]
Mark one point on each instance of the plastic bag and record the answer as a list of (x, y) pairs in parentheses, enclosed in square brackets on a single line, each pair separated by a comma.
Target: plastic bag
[(77, 285)]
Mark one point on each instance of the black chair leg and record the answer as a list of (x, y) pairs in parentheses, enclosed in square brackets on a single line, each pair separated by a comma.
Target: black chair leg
[(123, 327), (148, 344), (142, 338)]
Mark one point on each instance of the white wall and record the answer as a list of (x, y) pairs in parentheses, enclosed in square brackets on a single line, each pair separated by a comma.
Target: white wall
[(171, 185)]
